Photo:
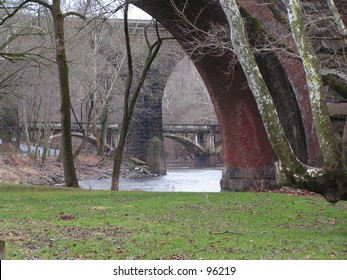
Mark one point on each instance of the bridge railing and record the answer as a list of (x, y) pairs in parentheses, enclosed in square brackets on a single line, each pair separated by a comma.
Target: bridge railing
[(190, 127), (74, 126)]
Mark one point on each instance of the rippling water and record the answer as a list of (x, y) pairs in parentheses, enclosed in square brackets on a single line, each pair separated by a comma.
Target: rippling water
[(176, 180)]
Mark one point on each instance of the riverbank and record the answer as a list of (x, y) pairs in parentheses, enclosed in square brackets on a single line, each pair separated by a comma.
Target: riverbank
[(94, 172), (33, 171), (64, 223)]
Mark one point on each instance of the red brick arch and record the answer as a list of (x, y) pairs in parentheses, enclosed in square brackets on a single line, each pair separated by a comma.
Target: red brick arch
[(248, 155)]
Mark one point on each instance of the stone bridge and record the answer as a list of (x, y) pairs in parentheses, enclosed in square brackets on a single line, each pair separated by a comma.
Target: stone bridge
[(248, 156), (203, 141)]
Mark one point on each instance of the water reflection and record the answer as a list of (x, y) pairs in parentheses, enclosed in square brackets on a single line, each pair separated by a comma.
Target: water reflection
[(176, 180)]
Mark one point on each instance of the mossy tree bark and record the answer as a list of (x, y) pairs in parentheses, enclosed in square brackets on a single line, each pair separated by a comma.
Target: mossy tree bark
[(328, 181), (328, 145), (338, 19)]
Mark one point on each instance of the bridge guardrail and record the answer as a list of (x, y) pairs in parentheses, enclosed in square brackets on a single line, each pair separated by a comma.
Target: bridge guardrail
[(190, 127)]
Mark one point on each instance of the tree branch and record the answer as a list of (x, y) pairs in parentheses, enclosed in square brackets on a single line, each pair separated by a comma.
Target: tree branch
[(20, 6), (75, 14)]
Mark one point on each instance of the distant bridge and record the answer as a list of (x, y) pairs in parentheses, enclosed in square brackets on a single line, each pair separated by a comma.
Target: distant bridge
[(91, 139), (200, 140)]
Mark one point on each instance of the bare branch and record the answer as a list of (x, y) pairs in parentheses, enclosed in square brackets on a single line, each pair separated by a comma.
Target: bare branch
[(337, 73), (75, 14)]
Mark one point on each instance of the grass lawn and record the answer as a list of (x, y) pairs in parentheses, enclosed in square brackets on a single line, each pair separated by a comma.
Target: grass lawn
[(39, 222)]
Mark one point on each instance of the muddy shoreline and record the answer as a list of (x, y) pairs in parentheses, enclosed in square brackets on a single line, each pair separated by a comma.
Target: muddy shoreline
[(33, 171)]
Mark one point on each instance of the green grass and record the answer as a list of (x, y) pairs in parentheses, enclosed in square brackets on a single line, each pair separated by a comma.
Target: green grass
[(60, 223)]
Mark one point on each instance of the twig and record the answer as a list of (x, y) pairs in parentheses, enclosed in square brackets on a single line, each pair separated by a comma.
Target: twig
[(228, 232), (238, 233)]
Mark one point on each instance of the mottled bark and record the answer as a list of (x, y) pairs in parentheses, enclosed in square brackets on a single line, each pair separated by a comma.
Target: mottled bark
[(328, 145), (329, 181), (338, 20), (257, 84)]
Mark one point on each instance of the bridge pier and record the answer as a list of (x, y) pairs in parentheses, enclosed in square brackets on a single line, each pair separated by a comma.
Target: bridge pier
[(155, 155), (245, 179), (148, 117), (202, 161), (208, 159)]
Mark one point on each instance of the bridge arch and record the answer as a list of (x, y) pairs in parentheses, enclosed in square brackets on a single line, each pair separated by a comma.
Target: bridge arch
[(185, 97), (187, 142), (91, 139), (247, 151)]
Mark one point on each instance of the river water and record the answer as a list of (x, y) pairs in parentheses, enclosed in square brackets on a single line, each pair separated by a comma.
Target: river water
[(176, 180)]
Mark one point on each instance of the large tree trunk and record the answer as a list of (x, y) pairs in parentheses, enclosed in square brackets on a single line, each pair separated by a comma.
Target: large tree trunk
[(68, 160), (257, 84), (328, 145), (330, 181)]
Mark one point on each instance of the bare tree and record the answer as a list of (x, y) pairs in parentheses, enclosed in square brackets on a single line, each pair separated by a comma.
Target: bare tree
[(97, 89), (131, 93), (63, 70)]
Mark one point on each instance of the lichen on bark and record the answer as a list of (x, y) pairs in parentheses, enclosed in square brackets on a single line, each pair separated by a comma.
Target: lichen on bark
[(328, 145), (329, 181), (257, 85)]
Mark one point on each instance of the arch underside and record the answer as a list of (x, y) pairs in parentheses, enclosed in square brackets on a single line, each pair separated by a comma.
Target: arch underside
[(187, 142), (248, 156), (91, 139)]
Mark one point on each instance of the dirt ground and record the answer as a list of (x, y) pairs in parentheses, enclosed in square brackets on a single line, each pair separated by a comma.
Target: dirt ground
[(33, 171)]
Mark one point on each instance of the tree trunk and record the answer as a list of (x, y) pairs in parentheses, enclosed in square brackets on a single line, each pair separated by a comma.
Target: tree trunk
[(68, 161), (46, 133), (259, 89), (2, 250), (338, 20), (344, 145), (82, 145), (330, 181), (328, 145), (117, 159), (86, 131), (103, 131), (25, 128)]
